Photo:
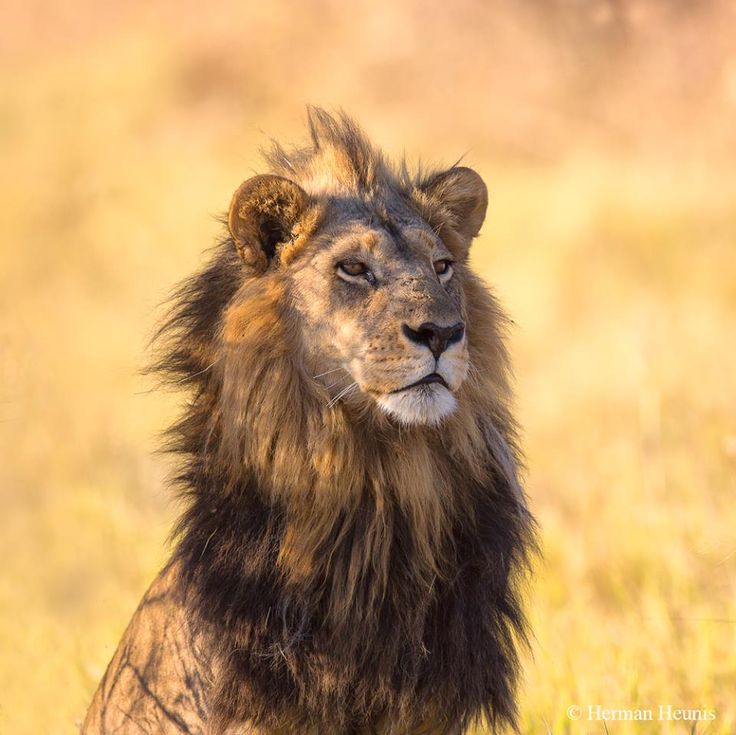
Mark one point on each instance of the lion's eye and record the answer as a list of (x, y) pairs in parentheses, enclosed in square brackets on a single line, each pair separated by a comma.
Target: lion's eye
[(443, 268), (355, 269)]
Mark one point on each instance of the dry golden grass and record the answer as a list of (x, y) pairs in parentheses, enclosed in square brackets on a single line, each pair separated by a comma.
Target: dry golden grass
[(606, 135)]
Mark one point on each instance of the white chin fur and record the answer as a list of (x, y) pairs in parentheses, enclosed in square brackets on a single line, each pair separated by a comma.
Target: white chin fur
[(425, 404)]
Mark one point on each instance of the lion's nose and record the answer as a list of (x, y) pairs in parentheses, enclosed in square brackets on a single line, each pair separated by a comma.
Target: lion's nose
[(435, 337)]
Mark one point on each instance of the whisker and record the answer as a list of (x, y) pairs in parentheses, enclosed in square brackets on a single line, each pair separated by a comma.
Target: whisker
[(338, 381), (327, 372), (334, 400), (342, 393)]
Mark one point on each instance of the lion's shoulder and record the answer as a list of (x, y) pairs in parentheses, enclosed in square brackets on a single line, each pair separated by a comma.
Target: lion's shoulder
[(158, 675)]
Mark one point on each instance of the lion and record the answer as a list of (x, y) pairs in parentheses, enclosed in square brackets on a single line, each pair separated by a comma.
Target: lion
[(355, 539)]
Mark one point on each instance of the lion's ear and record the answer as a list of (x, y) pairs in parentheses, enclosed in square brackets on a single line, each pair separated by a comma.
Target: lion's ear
[(457, 198), (262, 217)]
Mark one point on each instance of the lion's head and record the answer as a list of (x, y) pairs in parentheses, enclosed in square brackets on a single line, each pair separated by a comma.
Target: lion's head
[(373, 263)]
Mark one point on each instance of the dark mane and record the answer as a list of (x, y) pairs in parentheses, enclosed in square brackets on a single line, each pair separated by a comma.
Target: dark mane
[(361, 610)]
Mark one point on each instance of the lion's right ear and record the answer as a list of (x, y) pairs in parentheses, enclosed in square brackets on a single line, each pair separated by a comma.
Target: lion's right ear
[(455, 199), (262, 217)]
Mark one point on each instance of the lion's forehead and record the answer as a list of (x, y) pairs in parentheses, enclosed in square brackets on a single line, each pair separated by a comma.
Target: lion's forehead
[(392, 241)]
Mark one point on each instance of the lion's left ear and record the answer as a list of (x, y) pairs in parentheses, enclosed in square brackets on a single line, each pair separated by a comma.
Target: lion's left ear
[(456, 198), (264, 213)]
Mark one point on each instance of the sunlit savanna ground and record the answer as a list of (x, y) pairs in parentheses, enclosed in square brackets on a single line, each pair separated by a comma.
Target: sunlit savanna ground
[(607, 135)]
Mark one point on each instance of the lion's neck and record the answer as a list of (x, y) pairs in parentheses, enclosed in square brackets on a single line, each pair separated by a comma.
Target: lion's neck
[(360, 588)]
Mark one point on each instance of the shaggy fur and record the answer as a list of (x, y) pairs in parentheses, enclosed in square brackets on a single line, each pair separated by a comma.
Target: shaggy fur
[(348, 574)]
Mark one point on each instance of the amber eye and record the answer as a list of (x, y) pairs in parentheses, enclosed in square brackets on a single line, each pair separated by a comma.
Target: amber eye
[(352, 269), (443, 268)]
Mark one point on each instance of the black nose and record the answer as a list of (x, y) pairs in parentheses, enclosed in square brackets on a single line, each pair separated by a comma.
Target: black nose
[(435, 337)]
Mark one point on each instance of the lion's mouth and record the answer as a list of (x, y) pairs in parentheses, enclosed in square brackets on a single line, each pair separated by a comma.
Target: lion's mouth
[(426, 380)]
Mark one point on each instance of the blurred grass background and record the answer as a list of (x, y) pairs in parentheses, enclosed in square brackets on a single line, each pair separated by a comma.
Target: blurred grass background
[(607, 134)]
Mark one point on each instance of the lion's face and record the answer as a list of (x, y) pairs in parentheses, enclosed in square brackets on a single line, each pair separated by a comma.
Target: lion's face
[(382, 315), (376, 288)]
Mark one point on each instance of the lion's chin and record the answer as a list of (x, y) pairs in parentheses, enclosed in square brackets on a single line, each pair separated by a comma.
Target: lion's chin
[(422, 404)]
